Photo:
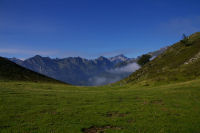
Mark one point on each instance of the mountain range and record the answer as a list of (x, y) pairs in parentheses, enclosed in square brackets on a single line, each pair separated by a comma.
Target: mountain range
[(81, 71)]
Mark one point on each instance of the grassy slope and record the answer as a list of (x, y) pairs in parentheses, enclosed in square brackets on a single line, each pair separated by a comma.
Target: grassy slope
[(10, 71), (56, 108), (169, 66)]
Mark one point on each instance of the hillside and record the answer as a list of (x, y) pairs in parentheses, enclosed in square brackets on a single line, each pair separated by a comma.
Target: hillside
[(180, 62), (10, 71)]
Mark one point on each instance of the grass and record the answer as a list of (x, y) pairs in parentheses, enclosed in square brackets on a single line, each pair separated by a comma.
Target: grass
[(27, 107)]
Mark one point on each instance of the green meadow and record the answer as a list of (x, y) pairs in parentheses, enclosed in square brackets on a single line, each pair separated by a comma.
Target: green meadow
[(28, 107)]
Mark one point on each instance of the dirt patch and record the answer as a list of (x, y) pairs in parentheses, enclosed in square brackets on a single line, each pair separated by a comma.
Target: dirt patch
[(116, 114), (95, 129)]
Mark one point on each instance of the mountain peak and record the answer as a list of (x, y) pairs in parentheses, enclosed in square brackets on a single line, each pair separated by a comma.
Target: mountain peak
[(119, 58), (37, 56), (40, 57), (120, 55), (102, 58)]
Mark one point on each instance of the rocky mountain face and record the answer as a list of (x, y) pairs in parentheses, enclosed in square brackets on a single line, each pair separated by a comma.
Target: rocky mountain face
[(119, 58), (73, 70), (80, 71)]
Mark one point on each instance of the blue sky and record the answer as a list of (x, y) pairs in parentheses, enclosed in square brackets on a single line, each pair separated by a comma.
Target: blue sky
[(91, 28)]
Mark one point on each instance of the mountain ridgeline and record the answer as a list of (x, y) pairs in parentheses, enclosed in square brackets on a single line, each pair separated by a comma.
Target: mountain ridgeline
[(180, 62), (74, 70), (10, 71), (80, 71)]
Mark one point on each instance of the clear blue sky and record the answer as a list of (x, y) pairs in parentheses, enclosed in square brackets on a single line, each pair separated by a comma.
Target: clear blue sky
[(91, 28)]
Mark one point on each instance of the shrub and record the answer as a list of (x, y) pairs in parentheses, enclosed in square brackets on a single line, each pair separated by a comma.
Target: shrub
[(185, 40), (144, 59)]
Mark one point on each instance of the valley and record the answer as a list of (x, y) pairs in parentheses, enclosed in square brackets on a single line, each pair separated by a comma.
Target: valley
[(162, 96), (99, 66)]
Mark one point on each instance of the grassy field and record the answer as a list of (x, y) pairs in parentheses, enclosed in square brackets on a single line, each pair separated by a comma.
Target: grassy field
[(57, 108)]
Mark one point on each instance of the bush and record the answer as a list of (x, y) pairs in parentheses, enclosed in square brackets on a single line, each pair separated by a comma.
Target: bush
[(185, 40), (144, 59)]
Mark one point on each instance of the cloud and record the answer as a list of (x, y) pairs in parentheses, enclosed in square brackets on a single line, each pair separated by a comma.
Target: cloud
[(126, 69), (114, 75)]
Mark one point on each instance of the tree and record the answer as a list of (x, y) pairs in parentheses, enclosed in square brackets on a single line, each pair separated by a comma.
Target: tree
[(185, 40), (144, 59)]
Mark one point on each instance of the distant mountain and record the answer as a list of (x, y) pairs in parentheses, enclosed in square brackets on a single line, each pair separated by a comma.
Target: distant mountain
[(11, 71), (80, 71), (119, 58), (179, 62), (74, 70)]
